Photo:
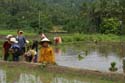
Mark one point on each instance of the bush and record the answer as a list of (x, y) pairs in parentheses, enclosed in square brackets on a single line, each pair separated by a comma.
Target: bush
[(78, 37), (110, 25)]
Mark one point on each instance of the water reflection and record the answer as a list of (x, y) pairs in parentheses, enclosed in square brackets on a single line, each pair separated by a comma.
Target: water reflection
[(58, 51), (122, 50), (123, 65), (63, 80), (29, 78), (2, 76), (100, 54)]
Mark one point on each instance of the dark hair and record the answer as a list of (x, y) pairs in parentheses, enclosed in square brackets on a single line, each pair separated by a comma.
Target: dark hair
[(35, 45)]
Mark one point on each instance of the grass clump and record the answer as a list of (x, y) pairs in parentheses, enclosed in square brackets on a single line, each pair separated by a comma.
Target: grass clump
[(93, 38)]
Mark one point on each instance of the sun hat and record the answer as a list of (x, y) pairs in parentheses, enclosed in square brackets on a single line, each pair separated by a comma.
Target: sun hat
[(13, 40), (27, 41), (8, 36), (21, 32), (45, 40)]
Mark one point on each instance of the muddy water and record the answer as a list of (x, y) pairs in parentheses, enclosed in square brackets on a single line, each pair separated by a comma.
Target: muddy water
[(91, 56), (31, 78), (2, 76), (83, 56)]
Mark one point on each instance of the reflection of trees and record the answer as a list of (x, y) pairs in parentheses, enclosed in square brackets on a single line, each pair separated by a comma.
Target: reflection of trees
[(104, 50), (85, 48), (119, 50), (101, 49), (122, 50)]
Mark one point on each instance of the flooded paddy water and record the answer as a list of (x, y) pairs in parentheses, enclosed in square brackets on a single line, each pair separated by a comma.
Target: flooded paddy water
[(89, 56), (26, 74), (92, 56), (31, 78)]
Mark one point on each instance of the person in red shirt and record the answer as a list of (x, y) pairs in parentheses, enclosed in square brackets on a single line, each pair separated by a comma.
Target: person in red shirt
[(6, 47), (57, 40)]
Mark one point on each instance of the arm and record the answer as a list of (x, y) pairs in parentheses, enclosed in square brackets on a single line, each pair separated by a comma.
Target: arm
[(24, 39), (11, 50), (33, 59)]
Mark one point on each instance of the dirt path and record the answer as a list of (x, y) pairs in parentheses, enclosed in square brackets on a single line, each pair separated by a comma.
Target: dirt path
[(72, 71)]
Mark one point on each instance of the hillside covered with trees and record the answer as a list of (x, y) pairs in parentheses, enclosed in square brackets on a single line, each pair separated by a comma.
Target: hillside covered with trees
[(83, 16)]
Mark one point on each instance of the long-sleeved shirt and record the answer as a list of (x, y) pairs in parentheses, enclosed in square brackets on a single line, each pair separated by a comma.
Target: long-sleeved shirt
[(21, 41), (46, 55)]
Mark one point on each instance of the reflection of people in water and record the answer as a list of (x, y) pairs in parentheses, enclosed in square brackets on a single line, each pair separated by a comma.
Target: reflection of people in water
[(58, 51)]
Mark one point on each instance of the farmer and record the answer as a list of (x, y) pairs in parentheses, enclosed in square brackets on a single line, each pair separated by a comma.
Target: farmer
[(46, 54), (6, 47), (15, 49), (42, 36), (21, 41), (57, 40), (31, 55)]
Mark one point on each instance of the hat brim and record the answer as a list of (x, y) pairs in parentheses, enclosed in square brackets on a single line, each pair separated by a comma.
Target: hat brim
[(41, 42), (21, 32), (8, 36), (14, 41)]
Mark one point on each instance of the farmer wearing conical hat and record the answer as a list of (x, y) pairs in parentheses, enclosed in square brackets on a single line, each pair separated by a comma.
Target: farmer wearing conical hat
[(46, 54), (15, 49)]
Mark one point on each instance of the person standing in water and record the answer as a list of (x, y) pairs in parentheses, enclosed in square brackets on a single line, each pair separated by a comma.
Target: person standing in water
[(21, 41), (46, 54), (31, 55), (15, 49), (6, 47)]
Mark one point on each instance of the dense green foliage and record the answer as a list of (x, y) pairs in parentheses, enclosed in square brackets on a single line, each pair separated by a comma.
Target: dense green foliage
[(84, 16)]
